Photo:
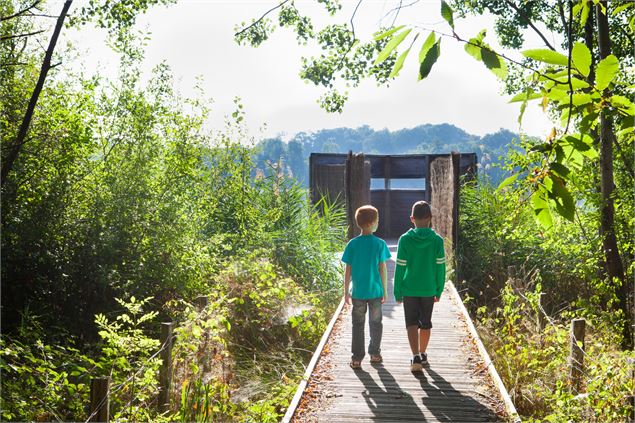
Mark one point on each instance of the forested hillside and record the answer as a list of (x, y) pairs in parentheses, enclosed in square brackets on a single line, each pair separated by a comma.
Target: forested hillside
[(422, 139)]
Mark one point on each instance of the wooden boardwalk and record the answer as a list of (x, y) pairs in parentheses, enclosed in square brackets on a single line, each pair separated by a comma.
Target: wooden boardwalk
[(455, 385)]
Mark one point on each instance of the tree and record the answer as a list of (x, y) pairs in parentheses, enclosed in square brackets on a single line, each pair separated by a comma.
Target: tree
[(115, 16), (584, 87)]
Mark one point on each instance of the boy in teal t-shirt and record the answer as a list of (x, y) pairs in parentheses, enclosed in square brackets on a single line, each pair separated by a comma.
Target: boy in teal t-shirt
[(419, 279), (365, 257)]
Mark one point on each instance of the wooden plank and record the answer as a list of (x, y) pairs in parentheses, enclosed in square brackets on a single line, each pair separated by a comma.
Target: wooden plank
[(454, 387)]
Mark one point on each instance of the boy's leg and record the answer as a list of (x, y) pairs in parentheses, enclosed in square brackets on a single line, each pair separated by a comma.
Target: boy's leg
[(411, 312), (424, 338), (376, 326), (426, 304), (413, 338), (358, 317)]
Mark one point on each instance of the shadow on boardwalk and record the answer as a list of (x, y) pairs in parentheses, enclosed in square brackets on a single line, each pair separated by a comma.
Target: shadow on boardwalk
[(442, 402)]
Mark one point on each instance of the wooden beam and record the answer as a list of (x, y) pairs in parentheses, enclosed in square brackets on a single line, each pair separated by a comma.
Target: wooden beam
[(99, 399), (165, 371)]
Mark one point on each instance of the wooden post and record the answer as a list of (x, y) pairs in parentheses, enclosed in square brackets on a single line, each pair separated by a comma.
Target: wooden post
[(201, 302), (542, 318), (631, 398), (165, 371), (576, 357), (357, 188), (456, 168), (99, 399), (386, 217)]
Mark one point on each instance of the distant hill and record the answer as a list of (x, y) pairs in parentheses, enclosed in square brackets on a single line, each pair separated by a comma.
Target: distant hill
[(423, 139)]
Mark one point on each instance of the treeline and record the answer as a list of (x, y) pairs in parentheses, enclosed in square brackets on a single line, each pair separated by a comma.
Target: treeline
[(423, 139)]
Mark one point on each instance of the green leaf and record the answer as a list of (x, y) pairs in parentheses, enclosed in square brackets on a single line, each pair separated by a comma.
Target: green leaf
[(577, 143), (526, 95), (623, 104), (547, 56), (446, 12), (557, 95), (581, 57), (565, 206), (589, 121), (563, 83), (427, 44), (586, 8), (621, 8), (508, 181), (606, 71), (541, 208), (429, 60), (387, 33), (581, 98), (392, 45), (560, 169), (399, 64), (479, 50)]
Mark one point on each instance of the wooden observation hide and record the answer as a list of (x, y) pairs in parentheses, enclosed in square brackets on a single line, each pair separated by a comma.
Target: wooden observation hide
[(392, 183)]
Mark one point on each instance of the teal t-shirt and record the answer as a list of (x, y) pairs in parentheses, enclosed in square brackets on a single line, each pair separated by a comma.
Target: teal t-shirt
[(364, 253)]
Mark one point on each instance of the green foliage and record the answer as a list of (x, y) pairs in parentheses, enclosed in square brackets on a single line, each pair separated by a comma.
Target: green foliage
[(131, 360), (534, 367), (205, 402), (122, 193), (41, 381), (481, 51), (496, 233)]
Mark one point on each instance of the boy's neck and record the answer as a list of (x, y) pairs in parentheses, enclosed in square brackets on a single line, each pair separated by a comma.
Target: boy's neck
[(420, 225), (367, 231)]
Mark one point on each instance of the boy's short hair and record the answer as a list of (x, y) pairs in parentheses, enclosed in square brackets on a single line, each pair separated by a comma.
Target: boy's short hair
[(421, 210), (366, 215)]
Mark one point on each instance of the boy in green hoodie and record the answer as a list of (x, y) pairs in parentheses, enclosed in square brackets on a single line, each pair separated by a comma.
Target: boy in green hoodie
[(419, 279)]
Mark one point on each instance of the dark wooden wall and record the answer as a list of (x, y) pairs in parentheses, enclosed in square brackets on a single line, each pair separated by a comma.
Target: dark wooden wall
[(328, 177)]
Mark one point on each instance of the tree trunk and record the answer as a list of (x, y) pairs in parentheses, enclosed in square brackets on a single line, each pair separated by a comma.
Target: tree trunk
[(614, 266), (28, 116)]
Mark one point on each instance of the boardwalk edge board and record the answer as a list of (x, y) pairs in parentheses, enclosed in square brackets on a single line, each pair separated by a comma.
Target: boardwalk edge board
[(509, 405), (309, 370)]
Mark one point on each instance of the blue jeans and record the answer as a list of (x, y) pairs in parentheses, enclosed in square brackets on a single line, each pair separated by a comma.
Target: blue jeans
[(374, 323)]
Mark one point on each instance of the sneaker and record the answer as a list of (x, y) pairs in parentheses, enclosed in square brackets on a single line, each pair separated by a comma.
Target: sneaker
[(424, 358), (415, 364)]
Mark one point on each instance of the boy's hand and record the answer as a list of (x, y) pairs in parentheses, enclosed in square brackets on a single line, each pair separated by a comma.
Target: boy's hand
[(383, 299), (436, 299), (347, 299)]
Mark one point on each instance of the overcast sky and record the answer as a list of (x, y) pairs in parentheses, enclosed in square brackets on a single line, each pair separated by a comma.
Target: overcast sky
[(195, 37)]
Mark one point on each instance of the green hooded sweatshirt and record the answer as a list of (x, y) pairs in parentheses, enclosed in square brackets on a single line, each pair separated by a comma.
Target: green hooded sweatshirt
[(420, 270)]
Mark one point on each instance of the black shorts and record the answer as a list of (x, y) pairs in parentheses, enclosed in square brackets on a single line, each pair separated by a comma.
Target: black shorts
[(418, 311)]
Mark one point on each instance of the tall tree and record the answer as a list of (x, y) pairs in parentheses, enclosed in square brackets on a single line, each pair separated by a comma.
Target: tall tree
[(117, 16)]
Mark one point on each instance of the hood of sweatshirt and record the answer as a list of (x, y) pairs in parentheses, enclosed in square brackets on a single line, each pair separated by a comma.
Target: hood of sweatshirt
[(422, 234)]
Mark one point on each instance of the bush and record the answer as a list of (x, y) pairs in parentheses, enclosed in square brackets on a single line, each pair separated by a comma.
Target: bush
[(534, 366)]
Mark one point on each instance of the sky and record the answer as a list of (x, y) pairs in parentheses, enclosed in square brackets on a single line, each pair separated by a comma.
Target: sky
[(195, 38)]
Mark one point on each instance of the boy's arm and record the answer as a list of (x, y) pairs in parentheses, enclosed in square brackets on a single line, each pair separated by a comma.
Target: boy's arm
[(440, 265), (384, 276), (347, 284), (400, 271)]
